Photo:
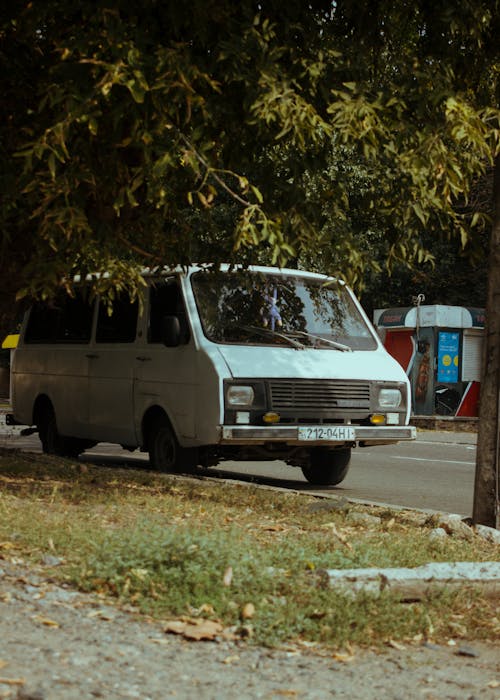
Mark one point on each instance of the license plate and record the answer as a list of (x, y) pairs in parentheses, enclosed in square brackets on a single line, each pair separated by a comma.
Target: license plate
[(337, 433)]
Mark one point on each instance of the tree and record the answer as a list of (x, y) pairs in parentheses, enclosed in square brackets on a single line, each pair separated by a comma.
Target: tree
[(143, 125), (166, 133), (466, 59), (486, 497)]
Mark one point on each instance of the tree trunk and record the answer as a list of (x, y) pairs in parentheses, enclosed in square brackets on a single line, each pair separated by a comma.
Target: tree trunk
[(486, 510)]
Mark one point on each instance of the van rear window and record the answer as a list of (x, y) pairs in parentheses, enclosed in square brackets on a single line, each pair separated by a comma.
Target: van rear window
[(65, 320)]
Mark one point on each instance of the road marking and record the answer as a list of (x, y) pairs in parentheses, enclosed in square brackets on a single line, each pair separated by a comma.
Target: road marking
[(424, 459), (467, 445)]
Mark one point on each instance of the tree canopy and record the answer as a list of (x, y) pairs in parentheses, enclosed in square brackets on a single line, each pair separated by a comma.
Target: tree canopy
[(319, 134)]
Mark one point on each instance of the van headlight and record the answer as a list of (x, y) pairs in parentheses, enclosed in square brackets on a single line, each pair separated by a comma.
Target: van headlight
[(389, 398), (239, 395)]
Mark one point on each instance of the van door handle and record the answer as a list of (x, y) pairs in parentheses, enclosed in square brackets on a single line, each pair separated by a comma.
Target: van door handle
[(143, 358), (92, 356)]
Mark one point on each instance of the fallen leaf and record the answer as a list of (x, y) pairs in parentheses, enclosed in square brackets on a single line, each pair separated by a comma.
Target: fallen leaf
[(207, 608), (102, 615), (195, 629), (231, 659), (318, 614), (12, 681), (458, 629), (228, 576), (338, 535), (45, 621), (175, 626), (245, 632), (248, 611), (274, 528), (344, 656), (396, 645)]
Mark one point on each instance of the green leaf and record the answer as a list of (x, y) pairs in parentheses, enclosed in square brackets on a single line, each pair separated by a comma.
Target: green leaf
[(257, 193), (51, 162)]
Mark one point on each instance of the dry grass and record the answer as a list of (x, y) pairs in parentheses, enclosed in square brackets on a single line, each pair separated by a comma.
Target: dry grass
[(174, 546)]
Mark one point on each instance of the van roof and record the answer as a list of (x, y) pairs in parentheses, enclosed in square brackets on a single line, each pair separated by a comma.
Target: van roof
[(225, 267)]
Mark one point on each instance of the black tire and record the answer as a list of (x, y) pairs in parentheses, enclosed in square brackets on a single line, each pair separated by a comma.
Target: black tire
[(327, 467), (165, 453), (52, 442)]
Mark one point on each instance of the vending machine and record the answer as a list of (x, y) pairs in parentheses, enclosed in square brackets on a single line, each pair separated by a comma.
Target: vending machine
[(440, 349)]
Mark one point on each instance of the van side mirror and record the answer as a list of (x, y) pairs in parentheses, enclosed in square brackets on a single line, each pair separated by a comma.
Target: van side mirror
[(170, 331)]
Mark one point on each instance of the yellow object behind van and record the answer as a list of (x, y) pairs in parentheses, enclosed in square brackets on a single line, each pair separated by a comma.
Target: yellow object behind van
[(10, 341)]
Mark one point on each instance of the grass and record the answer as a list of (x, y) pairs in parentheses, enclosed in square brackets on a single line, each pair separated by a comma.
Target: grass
[(249, 557)]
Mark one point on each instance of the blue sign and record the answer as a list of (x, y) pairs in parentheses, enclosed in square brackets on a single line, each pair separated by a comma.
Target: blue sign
[(448, 349)]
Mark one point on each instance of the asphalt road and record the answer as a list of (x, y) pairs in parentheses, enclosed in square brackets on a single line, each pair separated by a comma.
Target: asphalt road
[(434, 473)]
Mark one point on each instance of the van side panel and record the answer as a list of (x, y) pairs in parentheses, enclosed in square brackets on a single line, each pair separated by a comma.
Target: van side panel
[(110, 394), (59, 373)]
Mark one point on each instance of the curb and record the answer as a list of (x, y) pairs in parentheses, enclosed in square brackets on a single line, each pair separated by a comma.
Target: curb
[(446, 423), (414, 584)]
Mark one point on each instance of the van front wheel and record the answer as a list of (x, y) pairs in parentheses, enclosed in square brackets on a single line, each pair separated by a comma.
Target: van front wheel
[(327, 467), (165, 453)]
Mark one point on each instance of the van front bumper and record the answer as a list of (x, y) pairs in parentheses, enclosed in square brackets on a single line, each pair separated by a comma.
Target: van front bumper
[(363, 435)]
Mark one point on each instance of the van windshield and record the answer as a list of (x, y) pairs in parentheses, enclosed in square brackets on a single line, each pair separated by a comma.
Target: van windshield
[(247, 307)]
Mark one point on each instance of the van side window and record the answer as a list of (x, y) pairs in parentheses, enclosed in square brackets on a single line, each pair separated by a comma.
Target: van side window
[(121, 325), (66, 320), (166, 300)]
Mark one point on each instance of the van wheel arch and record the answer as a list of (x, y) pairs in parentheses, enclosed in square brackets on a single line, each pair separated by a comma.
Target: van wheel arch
[(160, 440), (152, 416), (44, 417)]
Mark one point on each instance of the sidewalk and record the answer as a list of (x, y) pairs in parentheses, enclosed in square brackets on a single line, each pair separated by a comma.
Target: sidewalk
[(445, 423), (456, 437)]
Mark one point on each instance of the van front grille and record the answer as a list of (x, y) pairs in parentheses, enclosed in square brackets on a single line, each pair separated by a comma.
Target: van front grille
[(319, 396)]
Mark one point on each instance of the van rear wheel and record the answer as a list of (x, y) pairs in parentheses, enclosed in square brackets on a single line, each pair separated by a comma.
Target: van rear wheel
[(327, 467), (53, 443), (165, 453)]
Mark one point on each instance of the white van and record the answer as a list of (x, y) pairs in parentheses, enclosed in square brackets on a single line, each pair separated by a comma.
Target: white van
[(255, 364)]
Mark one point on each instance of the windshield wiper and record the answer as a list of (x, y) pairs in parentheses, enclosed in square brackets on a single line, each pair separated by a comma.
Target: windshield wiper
[(268, 331), (333, 343)]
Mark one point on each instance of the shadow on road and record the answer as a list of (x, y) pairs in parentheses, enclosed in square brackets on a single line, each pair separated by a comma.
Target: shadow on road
[(135, 462)]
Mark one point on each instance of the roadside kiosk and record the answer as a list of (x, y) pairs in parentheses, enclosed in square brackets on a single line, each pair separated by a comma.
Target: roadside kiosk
[(440, 349)]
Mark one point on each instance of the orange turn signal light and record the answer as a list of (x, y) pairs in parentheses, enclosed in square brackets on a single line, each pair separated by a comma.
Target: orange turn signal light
[(271, 417)]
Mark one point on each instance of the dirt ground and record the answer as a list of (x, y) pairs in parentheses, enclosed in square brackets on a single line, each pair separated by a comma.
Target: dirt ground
[(59, 644)]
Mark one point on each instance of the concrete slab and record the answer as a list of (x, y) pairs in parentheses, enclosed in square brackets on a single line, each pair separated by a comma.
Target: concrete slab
[(416, 582)]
